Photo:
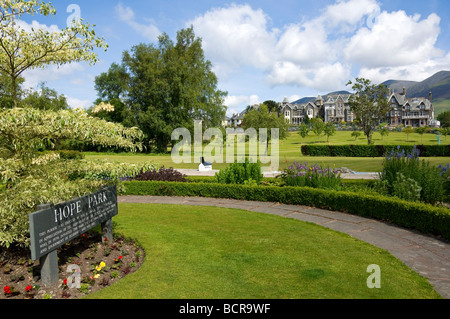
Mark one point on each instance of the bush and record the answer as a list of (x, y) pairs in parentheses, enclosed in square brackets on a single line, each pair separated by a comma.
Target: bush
[(372, 150), (162, 174), (66, 154), (240, 173), (315, 176), (398, 163), (420, 216)]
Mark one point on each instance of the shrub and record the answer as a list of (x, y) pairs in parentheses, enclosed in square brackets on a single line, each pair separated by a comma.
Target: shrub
[(239, 173), (315, 176), (162, 174), (420, 216), (372, 150), (409, 166)]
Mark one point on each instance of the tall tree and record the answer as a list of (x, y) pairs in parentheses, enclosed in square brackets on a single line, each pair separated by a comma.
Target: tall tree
[(21, 50), (369, 104), (169, 86)]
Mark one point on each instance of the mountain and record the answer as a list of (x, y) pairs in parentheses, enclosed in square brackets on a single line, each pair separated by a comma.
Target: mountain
[(438, 84)]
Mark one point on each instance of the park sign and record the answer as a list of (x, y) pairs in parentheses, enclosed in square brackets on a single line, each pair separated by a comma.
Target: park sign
[(56, 225)]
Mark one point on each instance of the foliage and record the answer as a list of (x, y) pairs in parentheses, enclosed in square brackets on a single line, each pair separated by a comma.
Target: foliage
[(406, 188), (317, 126), (312, 176), (161, 174), (239, 173), (369, 105), (408, 130), (21, 50), (304, 130), (419, 216), (164, 86), (45, 99), (329, 130), (263, 118), (444, 118), (398, 163), (356, 134), (33, 178), (24, 131), (372, 150)]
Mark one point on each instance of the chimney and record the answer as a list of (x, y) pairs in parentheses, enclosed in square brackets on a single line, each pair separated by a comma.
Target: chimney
[(430, 97), (404, 91)]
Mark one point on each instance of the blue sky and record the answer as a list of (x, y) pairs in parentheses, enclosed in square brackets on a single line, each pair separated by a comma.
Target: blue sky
[(267, 50)]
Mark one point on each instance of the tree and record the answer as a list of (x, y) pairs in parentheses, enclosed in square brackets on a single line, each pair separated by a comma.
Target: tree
[(262, 118), (304, 130), (369, 104), (408, 130), (444, 118), (21, 50), (273, 106), (317, 126), (329, 130), (46, 99), (356, 134), (421, 131), (166, 86), (384, 131)]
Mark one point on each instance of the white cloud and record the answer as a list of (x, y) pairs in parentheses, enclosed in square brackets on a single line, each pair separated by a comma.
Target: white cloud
[(238, 100), (148, 31), (321, 52), (396, 39), (75, 103), (52, 73), (236, 35)]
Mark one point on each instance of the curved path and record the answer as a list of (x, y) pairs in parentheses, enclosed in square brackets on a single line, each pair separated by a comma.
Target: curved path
[(427, 255)]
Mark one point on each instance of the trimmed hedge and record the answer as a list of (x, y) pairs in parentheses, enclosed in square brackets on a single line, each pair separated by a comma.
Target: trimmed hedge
[(425, 218), (372, 150)]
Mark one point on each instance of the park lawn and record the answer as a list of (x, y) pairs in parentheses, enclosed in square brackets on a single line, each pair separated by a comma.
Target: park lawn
[(289, 152), (213, 253)]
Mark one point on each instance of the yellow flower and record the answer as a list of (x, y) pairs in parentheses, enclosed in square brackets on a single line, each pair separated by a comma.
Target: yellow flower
[(96, 276), (102, 264)]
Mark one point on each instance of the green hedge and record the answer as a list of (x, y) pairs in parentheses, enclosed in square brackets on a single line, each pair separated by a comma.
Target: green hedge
[(372, 150), (419, 216)]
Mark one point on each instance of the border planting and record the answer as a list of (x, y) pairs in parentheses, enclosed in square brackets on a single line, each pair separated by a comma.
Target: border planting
[(372, 150), (425, 218)]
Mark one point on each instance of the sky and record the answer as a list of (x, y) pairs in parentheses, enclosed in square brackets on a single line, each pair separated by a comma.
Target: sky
[(264, 50)]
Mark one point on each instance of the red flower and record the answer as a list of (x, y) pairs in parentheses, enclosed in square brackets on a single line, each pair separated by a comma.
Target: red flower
[(65, 281), (7, 290), (28, 288), (120, 257)]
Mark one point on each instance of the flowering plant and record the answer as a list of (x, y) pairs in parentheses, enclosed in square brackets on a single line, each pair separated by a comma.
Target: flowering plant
[(99, 269), (10, 291), (313, 176)]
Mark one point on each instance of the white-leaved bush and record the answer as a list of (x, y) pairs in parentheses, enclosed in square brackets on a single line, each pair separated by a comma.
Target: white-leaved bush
[(30, 178)]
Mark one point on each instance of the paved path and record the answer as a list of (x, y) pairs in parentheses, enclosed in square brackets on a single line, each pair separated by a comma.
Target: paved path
[(428, 256)]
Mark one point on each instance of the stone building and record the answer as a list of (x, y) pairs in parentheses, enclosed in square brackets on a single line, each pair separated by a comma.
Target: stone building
[(414, 112)]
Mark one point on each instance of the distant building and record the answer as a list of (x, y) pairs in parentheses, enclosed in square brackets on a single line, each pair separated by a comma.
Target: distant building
[(414, 112), (334, 109)]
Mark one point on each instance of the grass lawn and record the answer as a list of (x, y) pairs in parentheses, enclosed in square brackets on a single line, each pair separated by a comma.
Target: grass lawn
[(212, 253), (289, 151)]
